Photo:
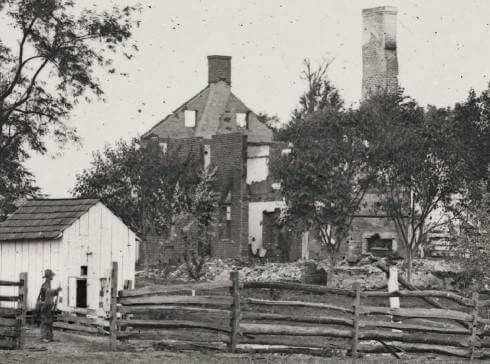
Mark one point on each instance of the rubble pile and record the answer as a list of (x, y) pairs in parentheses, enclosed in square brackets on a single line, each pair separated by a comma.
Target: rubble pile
[(427, 273), (219, 269), (364, 271)]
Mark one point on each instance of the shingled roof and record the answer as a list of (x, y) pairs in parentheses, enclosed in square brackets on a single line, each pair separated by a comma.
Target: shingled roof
[(43, 218)]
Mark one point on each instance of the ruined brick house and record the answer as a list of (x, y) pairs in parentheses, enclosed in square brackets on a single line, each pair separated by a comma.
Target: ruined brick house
[(221, 130), (217, 127)]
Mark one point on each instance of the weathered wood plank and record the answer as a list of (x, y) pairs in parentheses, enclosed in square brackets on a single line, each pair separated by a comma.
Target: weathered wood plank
[(434, 339), (235, 311), (484, 303), (172, 323), (355, 326), (298, 341), (9, 298), (170, 334), (270, 329), (159, 308), (299, 287), (257, 316), (9, 312), (188, 345), (255, 301), (282, 349), (418, 313), (9, 331), (414, 348), (9, 283), (184, 300), (9, 321), (474, 328), (422, 294), (414, 327), (344, 292), (113, 308), (23, 294), (7, 343), (75, 327), (95, 321), (161, 289)]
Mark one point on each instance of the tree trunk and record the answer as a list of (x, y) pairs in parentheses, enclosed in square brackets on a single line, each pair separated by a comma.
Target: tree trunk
[(409, 265), (331, 268), (147, 256)]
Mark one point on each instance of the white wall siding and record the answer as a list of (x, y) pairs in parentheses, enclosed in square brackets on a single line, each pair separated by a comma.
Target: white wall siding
[(96, 239), (32, 257)]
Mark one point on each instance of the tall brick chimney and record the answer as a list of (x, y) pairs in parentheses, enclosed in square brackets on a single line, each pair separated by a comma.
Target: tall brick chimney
[(379, 59), (219, 69)]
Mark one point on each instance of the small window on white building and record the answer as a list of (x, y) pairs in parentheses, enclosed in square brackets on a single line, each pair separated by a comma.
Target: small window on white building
[(190, 118), (163, 147), (242, 119), (207, 155)]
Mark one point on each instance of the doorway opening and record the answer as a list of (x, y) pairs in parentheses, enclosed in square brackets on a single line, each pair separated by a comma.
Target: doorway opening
[(81, 293)]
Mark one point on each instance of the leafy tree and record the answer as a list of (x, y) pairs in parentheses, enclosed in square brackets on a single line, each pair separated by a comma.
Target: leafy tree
[(471, 239), (16, 183), (325, 176), (52, 64), (147, 188), (471, 140), (320, 92), (421, 163)]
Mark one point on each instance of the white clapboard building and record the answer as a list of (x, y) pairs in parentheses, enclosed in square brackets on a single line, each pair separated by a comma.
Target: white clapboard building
[(76, 238)]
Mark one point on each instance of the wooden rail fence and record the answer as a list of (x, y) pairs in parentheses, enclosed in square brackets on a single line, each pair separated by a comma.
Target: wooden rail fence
[(222, 316), (13, 319)]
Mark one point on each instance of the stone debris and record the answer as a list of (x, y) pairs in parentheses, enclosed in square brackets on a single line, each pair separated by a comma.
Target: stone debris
[(427, 273), (219, 269)]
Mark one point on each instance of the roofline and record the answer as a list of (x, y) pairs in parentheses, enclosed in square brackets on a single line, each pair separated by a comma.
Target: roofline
[(57, 237), (149, 132), (63, 199), (117, 217)]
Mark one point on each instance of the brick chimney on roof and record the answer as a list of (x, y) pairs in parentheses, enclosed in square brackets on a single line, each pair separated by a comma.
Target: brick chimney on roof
[(219, 69), (379, 59)]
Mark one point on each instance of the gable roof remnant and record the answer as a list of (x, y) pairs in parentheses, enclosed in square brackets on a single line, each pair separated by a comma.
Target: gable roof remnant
[(43, 218), (216, 108)]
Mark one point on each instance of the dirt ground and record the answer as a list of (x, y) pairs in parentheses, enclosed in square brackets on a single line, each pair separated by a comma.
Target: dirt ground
[(73, 348)]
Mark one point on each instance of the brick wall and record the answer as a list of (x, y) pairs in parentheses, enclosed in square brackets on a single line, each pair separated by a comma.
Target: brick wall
[(219, 68), (379, 51), (186, 148), (228, 152)]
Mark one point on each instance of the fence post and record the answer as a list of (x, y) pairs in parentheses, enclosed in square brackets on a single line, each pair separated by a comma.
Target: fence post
[(235, 311), (113, 307), (355, 323), (475, 324), (23, 309), (393, 286)]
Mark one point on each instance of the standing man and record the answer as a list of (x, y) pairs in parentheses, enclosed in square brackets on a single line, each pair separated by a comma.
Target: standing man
[(46, 301)]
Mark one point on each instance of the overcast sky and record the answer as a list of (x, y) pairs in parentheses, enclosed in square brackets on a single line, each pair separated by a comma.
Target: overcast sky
[(443, 51)]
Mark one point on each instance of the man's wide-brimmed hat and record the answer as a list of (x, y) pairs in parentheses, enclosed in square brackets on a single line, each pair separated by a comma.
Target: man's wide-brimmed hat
[(48, 273)]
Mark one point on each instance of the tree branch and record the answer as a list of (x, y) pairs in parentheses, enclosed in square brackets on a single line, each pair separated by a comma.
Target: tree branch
[(21, 62)]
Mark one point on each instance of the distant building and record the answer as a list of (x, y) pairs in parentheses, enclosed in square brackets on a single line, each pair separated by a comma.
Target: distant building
[(78, 239), (217, 127)]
